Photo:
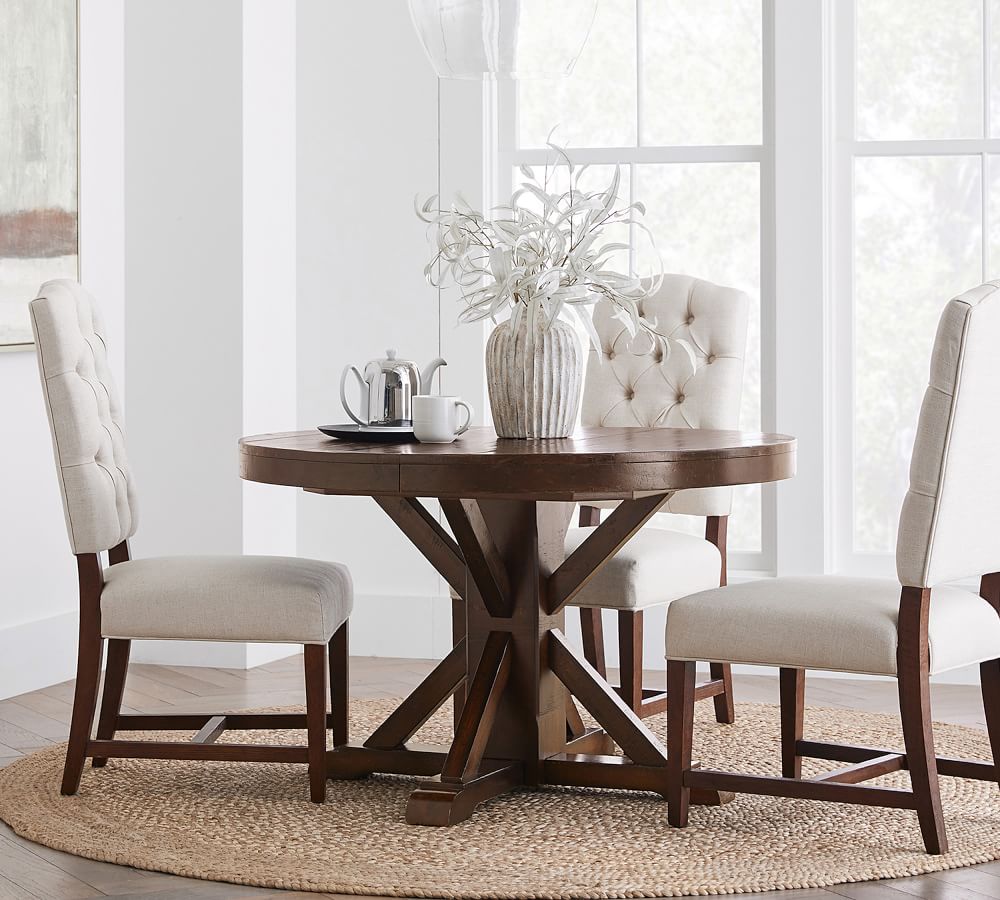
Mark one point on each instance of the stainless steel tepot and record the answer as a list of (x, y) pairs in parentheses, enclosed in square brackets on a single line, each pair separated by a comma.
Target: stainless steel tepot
[(387, 389)]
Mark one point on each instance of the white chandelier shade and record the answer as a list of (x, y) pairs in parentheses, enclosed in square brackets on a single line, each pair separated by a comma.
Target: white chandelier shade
[(498, 39)]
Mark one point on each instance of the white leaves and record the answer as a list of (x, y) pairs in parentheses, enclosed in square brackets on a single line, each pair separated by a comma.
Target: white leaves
[(541, 255)]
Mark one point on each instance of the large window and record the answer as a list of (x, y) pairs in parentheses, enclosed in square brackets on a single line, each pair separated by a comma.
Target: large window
[(916, 188), (674, 92)]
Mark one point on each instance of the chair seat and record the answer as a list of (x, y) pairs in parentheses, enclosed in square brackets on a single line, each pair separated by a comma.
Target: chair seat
[(270, 599), (832, 623), (655, 567)]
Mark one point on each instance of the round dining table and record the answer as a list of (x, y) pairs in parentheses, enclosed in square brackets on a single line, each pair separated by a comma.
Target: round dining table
[(516, 679)]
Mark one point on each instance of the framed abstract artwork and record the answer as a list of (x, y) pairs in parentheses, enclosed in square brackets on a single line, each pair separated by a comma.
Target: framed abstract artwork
[(39, 155)]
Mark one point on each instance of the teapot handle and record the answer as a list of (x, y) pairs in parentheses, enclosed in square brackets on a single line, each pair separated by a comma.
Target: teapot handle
[(343, 392)]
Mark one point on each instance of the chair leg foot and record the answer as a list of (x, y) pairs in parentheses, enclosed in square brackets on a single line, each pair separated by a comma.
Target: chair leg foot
[(680, 737), (315, 673), (88, 676), (725, 710)]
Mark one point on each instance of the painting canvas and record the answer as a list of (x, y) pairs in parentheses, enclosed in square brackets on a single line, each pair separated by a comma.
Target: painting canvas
[(38, 154)]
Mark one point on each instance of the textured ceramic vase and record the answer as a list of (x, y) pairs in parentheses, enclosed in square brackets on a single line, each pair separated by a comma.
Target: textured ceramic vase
[(534, 390)]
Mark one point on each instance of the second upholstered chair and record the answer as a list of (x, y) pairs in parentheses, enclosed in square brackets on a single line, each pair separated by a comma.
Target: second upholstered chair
[(630, 384), (199, 598), (910, 628)]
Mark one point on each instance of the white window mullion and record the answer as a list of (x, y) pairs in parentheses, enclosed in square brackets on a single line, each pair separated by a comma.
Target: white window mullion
[(800, 312)]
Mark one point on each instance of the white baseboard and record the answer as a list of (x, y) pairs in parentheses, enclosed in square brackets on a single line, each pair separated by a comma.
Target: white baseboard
[(37, 654)]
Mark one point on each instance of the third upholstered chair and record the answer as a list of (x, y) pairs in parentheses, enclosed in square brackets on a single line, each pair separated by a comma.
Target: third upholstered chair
[(198, 598), (910, 628), (629, 384)]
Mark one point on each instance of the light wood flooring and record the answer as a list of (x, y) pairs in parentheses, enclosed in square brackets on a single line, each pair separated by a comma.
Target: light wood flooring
[(31, 872)]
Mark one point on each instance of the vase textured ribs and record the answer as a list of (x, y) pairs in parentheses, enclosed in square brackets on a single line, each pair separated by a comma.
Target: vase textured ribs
[(535, 386)]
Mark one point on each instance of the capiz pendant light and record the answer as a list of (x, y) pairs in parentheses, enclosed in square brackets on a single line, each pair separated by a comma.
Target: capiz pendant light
[(476, 39)]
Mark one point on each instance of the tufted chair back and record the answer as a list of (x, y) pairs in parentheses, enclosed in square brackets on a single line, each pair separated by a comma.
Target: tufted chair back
[(631, 389), (949, 527), (85, 417)]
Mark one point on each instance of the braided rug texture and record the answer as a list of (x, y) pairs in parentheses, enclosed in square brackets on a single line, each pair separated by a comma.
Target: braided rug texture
[(252, 823)]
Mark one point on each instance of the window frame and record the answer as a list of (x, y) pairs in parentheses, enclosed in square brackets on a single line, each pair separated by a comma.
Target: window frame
[(501, 133), (847, 148)]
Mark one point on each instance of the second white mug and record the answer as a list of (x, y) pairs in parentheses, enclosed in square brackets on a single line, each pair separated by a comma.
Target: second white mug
[(435, 419)]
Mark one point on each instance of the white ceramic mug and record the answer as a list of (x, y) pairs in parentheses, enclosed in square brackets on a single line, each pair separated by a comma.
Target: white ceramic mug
[(435, 419)]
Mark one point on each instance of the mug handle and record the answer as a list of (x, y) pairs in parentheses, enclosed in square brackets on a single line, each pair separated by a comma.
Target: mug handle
[(468, 416)]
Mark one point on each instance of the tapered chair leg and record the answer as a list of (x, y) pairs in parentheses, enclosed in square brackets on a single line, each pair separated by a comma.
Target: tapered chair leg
[(315, 671), (630, 658), (592, 630), (88, 676), (340, 686), (914, 703), (725, 709), (990, 675), (792, 687), (680, 737), (114, 689)]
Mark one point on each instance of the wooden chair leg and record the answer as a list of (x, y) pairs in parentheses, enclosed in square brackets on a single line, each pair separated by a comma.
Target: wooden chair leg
[(114, 687), (88, 676), (792, 686), (912, 667), (630, 657), (990, 675), (315, 672), (340, 686), (680, 737), (725, 710), (592, 627)]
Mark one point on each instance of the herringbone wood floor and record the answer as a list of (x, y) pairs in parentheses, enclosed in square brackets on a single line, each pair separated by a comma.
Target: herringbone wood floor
[(30, 872)]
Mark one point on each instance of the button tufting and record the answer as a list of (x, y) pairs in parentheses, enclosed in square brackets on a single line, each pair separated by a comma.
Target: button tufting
[(629, 393), (690, 320), (680, 398), (611, 354), (711, 359)]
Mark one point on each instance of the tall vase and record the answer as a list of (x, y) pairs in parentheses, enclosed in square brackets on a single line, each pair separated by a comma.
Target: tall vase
[(534, 386)]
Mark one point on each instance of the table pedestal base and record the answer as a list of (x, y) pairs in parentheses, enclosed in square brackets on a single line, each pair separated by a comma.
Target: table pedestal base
[(513, 674)]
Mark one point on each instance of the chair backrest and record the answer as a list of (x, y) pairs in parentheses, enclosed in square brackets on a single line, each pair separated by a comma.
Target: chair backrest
[(628, 388), (85, 417), (949, 527)]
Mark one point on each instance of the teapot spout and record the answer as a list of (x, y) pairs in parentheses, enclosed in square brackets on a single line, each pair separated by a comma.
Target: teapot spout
[(427, 375)]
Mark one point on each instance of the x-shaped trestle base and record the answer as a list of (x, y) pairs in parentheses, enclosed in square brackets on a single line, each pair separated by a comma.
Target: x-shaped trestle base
[(514, 675)]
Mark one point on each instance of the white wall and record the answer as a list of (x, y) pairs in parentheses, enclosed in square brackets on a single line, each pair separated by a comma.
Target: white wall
[(210, 265), (368, 142), (38, 600)]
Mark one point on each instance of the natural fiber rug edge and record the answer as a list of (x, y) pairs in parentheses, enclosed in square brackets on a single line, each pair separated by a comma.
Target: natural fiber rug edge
[(170, 857)]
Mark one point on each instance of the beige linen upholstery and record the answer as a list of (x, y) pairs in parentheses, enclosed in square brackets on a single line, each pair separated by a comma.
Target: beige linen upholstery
[(950, 523), (655, 567), (626, 386), (949, 529), (825, 622), (238, 598), (85, 417), (226, 598)]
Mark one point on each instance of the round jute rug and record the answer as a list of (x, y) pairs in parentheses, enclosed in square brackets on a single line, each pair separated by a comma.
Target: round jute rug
[(253, 823)]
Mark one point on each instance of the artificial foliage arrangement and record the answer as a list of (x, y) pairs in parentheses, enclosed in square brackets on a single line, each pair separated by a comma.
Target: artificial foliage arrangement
[(529, 266)]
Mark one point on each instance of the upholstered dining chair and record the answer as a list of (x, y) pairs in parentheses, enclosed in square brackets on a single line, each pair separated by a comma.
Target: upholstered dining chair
[(910, 628), (198, 598), (630, 384)]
